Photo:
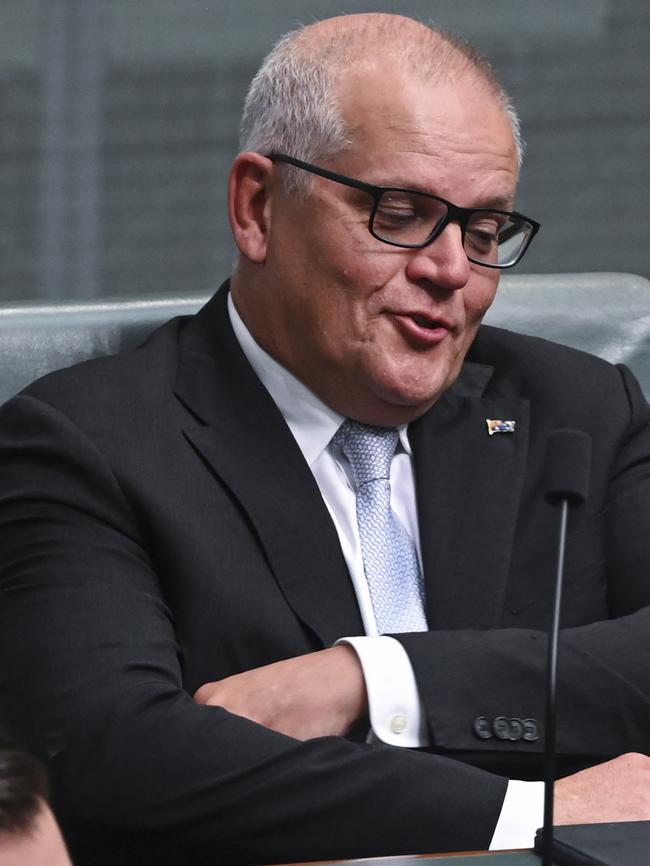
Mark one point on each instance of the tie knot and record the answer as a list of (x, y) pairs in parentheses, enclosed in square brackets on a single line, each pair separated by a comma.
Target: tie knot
[(369, 449)]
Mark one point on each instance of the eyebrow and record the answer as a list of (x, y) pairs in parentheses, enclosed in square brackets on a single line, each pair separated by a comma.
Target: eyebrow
[(497, 202), (504, 201)]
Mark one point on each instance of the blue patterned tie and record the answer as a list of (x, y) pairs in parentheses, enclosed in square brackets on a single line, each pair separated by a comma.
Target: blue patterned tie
[(389, 558)]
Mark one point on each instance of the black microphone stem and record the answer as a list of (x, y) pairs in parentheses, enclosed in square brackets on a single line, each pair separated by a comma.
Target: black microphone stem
[(551, 690)]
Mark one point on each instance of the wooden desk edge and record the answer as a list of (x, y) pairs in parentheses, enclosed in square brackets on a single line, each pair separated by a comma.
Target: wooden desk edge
[(409, 857)]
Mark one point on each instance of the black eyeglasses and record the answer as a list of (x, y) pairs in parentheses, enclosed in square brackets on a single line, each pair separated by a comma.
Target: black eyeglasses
[(412, 219)]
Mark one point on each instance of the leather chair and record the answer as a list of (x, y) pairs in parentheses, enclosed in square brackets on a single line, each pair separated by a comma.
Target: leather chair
[(606, 314), (38, 338)]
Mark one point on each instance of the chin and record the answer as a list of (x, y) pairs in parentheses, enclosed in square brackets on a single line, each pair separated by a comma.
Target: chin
[(409, 387), (397, 403)]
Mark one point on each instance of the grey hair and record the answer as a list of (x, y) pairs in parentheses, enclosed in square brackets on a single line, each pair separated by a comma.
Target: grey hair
[(291, 107), (292, 104)]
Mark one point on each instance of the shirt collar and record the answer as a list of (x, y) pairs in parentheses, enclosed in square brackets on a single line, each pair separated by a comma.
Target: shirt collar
[(311, 422)]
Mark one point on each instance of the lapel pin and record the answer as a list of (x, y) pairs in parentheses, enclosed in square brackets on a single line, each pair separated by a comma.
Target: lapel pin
[(495, 425)]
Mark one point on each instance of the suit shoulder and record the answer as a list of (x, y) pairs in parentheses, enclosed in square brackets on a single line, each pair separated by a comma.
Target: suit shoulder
[(513, 351), (535, 367), (130, 376)]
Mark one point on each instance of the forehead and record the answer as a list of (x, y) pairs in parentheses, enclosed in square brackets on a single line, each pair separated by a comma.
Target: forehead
[(451, 137)]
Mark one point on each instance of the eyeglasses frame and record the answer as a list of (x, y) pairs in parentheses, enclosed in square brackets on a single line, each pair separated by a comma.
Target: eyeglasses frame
[(461, 215)]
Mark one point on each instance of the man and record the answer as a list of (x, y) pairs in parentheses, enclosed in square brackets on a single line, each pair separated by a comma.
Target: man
[(29, 834), (198, 555)]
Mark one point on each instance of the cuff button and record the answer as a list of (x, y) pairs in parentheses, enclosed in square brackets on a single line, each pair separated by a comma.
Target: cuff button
[(501, 728), (530, 731), (482, 728)]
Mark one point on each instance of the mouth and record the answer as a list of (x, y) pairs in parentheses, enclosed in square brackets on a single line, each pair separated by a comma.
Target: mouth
[(423, 329), (426, 322)]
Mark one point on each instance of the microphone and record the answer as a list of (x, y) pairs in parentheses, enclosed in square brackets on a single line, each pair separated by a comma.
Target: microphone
[(567, 465)]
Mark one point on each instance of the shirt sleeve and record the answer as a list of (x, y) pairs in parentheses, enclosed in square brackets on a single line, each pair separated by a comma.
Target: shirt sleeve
[(396, 716), (521, 814)]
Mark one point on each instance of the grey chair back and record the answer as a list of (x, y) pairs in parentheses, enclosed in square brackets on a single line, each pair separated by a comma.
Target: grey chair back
[(606, 314), (38, 338)]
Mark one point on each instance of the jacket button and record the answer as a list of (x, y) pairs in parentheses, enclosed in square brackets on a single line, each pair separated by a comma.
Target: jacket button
[(482, 728), (516, 730), (501, 728), (530, 730)]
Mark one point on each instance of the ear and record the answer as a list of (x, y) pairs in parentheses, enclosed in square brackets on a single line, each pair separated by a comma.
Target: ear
[(249, 204)]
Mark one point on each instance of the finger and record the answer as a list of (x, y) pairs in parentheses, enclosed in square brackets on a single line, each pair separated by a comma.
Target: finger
[(203, 694)]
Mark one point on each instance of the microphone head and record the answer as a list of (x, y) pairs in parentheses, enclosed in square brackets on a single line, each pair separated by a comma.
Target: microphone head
[(567, 466)]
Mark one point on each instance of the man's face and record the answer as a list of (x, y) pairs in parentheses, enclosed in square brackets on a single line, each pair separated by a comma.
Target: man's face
[(379, 332)]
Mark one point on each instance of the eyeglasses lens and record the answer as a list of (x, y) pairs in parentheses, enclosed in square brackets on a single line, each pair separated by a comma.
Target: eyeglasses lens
[(409, 219)]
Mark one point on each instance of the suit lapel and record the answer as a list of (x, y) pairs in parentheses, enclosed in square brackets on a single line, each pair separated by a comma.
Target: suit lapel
[(267, 473), (468, 486)]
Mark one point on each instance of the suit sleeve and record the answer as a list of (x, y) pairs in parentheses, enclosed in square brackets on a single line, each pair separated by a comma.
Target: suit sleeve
[(467, 678), (91, 679)]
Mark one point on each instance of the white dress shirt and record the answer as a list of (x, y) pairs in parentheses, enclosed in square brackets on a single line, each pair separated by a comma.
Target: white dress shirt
[(396, 713)]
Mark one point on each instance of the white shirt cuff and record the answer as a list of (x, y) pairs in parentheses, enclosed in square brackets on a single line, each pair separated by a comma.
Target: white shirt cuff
[(396, 713), (521, 814)]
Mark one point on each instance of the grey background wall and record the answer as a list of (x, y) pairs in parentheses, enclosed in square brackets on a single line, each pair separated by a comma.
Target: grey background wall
[(118, 121)]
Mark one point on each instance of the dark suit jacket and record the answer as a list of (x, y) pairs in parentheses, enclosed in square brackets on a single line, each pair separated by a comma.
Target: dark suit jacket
[(159, 528)]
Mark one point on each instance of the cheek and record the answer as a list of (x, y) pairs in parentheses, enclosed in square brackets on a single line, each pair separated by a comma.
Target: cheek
[(358, 290), (479, 299), (343, 283)]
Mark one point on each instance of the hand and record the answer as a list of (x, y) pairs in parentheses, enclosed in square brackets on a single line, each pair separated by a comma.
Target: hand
[(315, 695), (618, 790)]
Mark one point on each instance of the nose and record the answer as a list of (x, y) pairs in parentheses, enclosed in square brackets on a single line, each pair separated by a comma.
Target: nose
[(443, 263)]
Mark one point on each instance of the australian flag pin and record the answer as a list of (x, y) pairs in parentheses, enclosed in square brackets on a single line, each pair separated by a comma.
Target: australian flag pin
[(495, 425)]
